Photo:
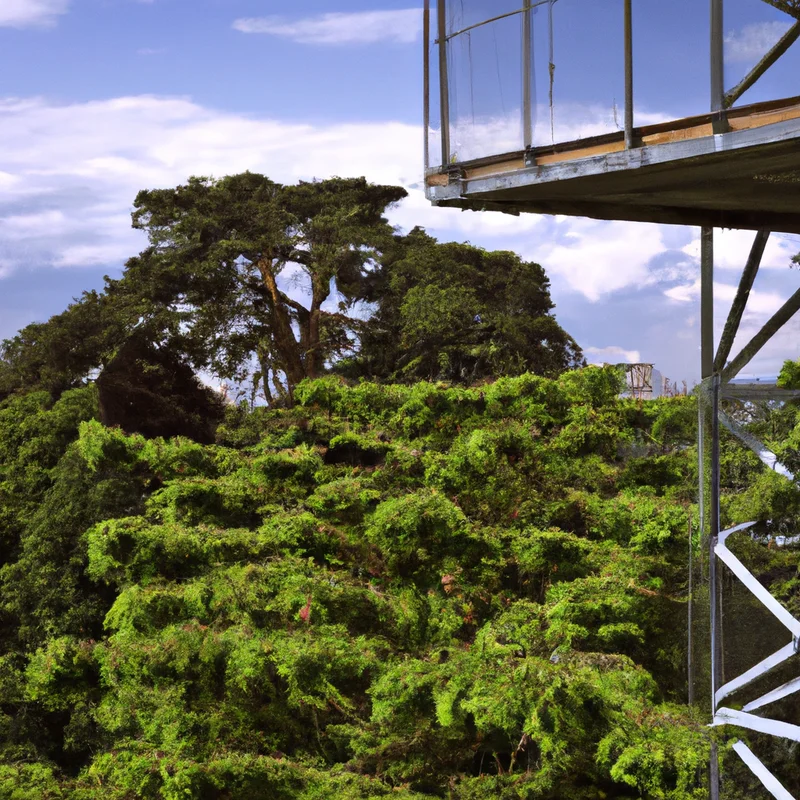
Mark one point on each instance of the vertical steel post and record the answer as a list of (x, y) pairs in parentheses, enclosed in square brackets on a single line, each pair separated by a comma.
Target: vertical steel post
[(628, 74), (690, 645), (707, 302), (713, 581), (426, 89), (527, 74), (717, 61), (709, 462), (444, 82)]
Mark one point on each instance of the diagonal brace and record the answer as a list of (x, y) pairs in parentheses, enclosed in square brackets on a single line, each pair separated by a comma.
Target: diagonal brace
[(753, 347), (742, 295), (782, 45), (788, 688), (749, 580), (760, 669), (768, 780)]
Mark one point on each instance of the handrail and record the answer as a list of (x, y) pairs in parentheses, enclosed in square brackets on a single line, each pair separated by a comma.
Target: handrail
[(469, 28)]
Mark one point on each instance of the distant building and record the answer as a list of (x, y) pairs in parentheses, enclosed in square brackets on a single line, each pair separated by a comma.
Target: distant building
[(645, 382)]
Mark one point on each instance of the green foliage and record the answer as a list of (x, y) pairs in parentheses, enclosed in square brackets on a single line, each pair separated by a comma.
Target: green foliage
[(459, 313), (401, 591)]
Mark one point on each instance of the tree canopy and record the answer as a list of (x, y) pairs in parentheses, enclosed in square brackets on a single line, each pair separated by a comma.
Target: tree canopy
[(265, 285), (460, 313), (248, 265)]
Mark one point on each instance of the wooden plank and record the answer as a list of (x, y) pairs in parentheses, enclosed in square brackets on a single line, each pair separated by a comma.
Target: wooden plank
[(584, 152), (442, 179), (685, 129), (495, 169)]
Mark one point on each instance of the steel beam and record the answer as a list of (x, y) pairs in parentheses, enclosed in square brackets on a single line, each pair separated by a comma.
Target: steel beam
[(444, 81), (765, 455), (718, 66), (707, 302), (426, 88), (768, 780), (761, 594), (740, 301), (756, 672), (783, 44), (759, 391), (772, 727), (628, 74), (527, 71), (788, 688), (752, 348)]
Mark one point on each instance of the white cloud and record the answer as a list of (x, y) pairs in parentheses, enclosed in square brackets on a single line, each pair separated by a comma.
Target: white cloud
[(363, 27), (612, 355), (752, 42), (760, 304), (597, 258), (732, 248), (69, 173), (31, 13)]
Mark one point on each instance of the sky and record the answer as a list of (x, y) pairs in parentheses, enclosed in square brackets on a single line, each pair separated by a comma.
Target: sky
[(102, 98)]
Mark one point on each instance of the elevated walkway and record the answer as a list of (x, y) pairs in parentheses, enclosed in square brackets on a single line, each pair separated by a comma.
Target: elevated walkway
[(678, 172)]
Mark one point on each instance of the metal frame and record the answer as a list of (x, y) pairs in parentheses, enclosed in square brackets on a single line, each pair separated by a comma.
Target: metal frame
[(721, 100), (716, 368), (716, 384)]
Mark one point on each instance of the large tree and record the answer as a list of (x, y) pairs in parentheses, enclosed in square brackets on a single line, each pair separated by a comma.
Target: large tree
[(460, 313), (262, 276)]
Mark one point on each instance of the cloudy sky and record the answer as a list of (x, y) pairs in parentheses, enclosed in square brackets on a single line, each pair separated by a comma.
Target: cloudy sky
[(101, 98)]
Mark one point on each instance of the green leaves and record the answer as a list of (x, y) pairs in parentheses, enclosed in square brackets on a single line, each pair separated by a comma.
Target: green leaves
[(415, 591)]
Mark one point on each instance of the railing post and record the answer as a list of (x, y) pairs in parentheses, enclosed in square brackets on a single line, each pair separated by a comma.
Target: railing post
[(444, 82), (527, 70), (718, 66), (628, 74), (426, 88)]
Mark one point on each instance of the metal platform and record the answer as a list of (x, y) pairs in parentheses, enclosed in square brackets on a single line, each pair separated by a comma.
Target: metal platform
[(679, 172)]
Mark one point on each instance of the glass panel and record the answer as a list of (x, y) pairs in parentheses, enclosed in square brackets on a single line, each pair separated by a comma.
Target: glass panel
[(577, 67), (671, 60), (588, 74), (434, 106), (485, 78)]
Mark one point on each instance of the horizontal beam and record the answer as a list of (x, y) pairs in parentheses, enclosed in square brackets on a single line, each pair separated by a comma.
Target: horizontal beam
[(758, 391), (772, 727)]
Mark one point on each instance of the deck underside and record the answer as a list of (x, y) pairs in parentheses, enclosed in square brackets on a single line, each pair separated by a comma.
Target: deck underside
[(682, 173)]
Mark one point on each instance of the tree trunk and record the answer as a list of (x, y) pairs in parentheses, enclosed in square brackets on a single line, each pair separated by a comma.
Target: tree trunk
[(285, 342)]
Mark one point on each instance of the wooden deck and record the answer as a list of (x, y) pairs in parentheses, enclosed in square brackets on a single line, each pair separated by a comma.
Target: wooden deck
[(680, 172)]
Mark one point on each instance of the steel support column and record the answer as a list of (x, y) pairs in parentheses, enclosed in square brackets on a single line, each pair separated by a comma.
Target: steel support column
[(527, 75), (718, 66), (628, 74), (444, 80)]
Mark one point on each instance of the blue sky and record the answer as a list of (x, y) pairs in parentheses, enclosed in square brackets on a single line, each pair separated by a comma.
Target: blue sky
[(100, 98)]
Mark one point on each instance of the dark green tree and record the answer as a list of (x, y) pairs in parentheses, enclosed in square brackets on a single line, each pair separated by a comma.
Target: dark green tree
[(231, 257), (460, 313)]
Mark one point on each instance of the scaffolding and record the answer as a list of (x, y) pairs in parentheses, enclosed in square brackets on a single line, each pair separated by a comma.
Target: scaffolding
[(488, 148), (729, 166)]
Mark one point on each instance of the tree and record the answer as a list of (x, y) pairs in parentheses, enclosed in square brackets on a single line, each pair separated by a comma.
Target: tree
[(460, 313), (57, 355), (225, 255)]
